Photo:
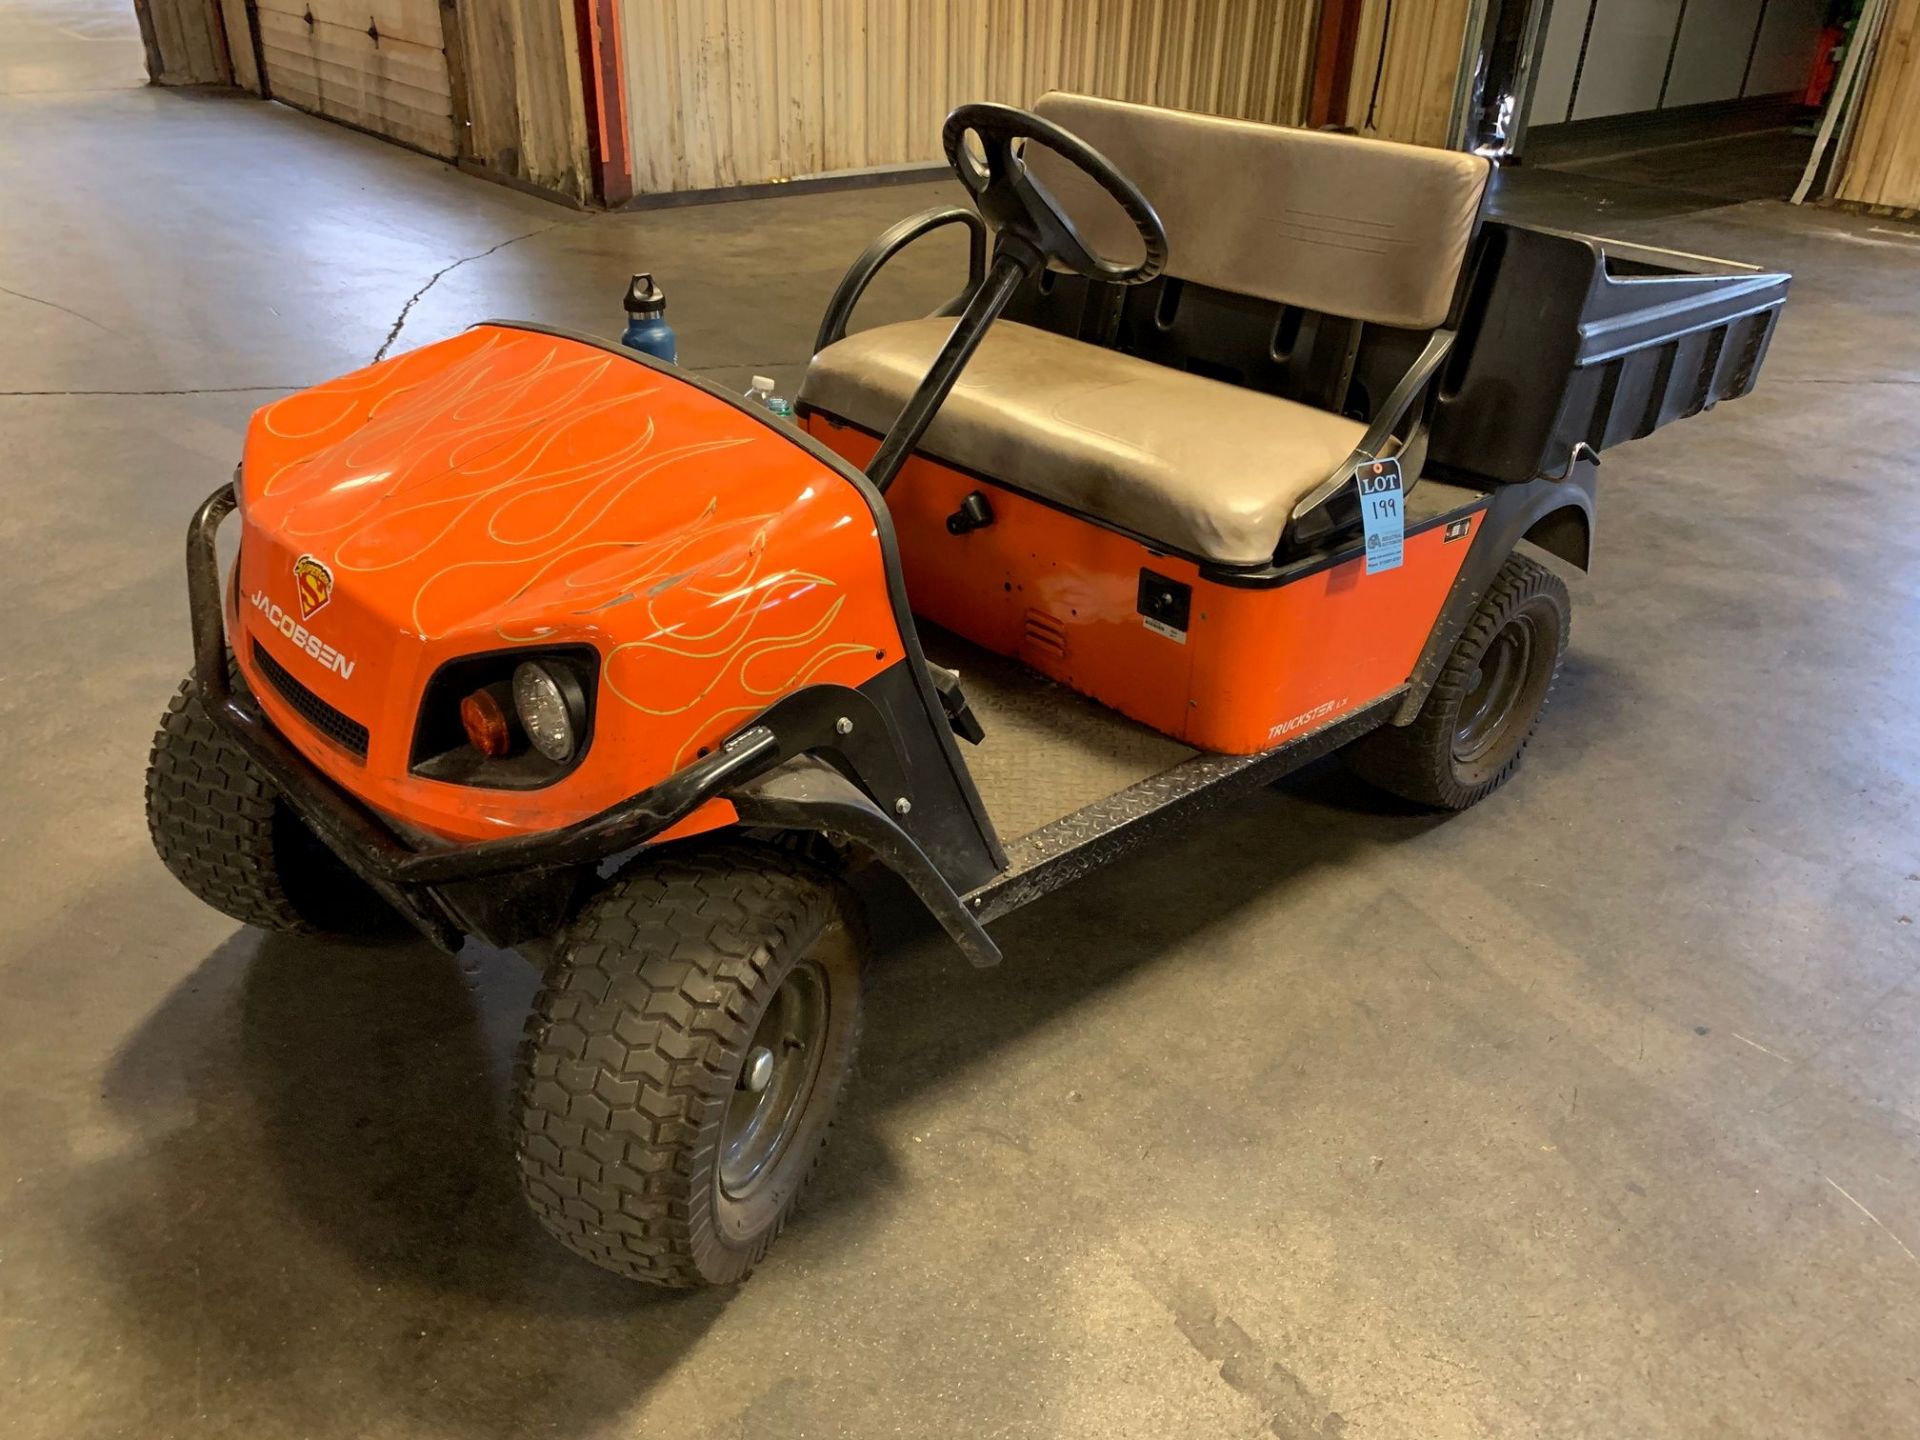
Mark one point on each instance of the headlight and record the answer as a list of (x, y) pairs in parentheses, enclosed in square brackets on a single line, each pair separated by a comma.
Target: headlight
[(507, 719), (548, 713)]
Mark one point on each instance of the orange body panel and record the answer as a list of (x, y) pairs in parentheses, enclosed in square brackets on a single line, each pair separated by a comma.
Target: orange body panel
[(1061, 594), (508, 489)]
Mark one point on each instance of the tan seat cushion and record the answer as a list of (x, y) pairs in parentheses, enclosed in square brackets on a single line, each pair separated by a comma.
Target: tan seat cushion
[(1199, 466), (1367, 229)]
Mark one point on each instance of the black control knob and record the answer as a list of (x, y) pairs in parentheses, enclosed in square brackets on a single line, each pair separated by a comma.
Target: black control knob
[(974, 514)]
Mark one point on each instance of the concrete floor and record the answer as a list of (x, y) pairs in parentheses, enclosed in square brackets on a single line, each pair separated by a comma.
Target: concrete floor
[(1592, 1112)]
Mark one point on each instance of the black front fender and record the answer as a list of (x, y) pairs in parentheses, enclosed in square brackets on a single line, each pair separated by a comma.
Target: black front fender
[(806, 794)]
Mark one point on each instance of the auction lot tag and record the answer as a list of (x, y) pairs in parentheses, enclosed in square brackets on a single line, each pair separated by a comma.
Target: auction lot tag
[(1383, 512)]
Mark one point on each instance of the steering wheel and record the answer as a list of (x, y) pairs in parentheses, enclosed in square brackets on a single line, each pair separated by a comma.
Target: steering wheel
[(1021, 210)]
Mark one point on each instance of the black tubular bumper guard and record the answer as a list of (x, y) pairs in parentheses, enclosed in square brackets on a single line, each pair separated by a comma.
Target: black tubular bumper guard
[(805, 722)]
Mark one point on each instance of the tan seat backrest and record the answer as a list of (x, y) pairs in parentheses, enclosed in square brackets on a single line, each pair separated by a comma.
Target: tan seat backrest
[(1365, 229)]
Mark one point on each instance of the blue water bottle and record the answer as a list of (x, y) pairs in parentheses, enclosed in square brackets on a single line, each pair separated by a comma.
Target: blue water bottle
[(647, 328)]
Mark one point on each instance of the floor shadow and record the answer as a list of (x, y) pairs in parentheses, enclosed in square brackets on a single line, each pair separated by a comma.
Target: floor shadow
[(334, 1231), (337, 1234), (931, 1018)]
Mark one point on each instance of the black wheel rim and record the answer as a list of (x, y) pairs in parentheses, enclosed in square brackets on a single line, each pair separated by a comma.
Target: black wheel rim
[(1492, 707), (775, 1081)]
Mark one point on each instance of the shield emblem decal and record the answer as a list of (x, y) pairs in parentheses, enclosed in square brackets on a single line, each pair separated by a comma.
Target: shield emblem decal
[(312, 584)]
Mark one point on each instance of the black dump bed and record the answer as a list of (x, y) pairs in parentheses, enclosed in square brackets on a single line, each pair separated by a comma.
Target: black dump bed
[(1569, 339)]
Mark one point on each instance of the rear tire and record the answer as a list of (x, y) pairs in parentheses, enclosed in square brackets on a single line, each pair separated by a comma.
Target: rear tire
[(1476, 722), (683, 1061), (227, 836)]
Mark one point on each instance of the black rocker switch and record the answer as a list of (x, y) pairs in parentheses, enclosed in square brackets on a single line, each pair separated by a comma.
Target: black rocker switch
[(974, 514), (954, 701)]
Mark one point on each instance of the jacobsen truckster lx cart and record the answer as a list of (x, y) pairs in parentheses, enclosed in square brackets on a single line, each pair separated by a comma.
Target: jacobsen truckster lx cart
[(1221, 461)]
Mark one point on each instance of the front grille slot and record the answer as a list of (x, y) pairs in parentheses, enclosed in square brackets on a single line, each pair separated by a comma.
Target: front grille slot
[(349, 735)]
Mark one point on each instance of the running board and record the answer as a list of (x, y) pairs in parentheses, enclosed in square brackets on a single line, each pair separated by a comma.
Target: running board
[(1061, 852)]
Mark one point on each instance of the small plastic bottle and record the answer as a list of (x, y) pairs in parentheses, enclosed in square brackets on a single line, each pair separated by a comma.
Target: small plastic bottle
[(760, 392), (647, 329)]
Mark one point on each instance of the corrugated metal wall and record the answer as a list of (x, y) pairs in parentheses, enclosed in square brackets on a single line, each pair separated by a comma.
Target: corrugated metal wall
[(734, 92), (1405, 65), (520, 76)]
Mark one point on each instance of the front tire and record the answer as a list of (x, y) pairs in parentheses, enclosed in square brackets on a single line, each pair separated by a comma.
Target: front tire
[(1471, 732), (219, 826), (683, 1061)]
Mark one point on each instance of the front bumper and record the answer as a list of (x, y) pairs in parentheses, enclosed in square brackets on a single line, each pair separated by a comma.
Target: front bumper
[(404, 875)]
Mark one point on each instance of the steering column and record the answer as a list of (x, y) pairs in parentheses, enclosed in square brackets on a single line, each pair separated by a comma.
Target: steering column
[(1030, 231)]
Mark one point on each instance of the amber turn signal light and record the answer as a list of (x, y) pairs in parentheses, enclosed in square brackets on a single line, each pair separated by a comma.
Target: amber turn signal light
[(486, 724)]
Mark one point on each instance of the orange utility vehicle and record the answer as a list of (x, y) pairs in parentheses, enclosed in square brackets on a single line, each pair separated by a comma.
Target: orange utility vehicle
[(534, 639)]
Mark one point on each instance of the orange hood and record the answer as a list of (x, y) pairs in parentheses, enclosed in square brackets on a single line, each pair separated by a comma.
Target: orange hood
[(512, 487), (501, 480)]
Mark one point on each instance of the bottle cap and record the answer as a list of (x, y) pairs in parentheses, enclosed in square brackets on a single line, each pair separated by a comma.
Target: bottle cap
[(763, 382), (645, 298)]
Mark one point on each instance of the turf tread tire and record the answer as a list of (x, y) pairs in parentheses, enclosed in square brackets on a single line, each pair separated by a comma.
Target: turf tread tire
[(211, 814), (219, 826), (633, 1046), (1415, 761)]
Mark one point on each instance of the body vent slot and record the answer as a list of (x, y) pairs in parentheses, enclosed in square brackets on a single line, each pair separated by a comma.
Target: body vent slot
[(1044, 632)]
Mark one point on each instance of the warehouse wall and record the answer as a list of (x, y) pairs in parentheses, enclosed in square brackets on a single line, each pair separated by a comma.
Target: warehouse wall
[(733, 92), (519, 70), (378, 65), (1405, 69), (1619, 57), (186, 41), (239, 39), (492, 84)]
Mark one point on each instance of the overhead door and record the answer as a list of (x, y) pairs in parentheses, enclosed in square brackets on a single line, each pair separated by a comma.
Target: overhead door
[(378, 64)]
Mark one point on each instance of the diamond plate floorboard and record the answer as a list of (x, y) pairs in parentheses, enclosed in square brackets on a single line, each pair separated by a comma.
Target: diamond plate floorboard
[(1048, 751)]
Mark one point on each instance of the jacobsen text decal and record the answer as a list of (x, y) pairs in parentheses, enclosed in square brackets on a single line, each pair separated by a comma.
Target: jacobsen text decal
[(302, 638)]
